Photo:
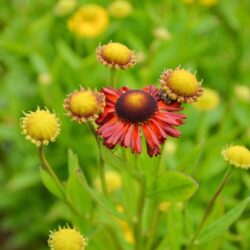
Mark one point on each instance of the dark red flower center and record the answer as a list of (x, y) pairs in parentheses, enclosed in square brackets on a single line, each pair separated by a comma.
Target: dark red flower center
[(135, 106)]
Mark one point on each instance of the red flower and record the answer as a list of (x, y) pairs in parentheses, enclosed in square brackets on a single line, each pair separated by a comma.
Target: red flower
[(128, 113)]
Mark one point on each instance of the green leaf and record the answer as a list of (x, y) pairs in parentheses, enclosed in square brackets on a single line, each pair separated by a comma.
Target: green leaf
[(73, 163), (218, 227), (104, 202), (116, 162), (50, 184), (173, 187)]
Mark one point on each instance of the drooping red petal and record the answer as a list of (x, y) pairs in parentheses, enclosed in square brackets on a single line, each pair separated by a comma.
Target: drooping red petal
[(136, 140)]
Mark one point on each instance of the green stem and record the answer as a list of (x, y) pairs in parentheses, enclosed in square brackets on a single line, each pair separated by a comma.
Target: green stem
[(210, 205), (47, 166), (112, 77), (141, 202), (50, 170), (101, 161)]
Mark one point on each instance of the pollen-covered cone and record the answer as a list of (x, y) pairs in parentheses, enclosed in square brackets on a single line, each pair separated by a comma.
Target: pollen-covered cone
[(116, 55), (208, 101), (180, 85), (89, 21), (84, 105), (239, 156), (66, 238), (40, 127)]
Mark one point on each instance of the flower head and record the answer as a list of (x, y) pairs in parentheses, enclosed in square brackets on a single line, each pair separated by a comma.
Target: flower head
[(239, 156), (180, 85), (89, 21), (129, 113), (120, 8), (84, 105), (40, 127), (208, 101), (66, 238), (113, 180), (116, 55)]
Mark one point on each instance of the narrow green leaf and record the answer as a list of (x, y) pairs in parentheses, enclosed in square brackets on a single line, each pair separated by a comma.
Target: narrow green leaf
[(173, 187), (50, 184), (218, 227), (116, 162)]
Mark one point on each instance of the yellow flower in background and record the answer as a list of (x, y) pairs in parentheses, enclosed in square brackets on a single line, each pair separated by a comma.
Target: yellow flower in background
[(89, 21), (44, 79), (127, 231), (162, 33), (120, 8), (84, 105), (208, 101), (169, 147), (40, 127), (239, 156), (242, 92), (64, 7), (113, 181), (66, 238), (208, 3), (164, 206)]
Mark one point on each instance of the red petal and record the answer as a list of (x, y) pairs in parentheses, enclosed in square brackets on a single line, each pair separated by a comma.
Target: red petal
[(136, 140)]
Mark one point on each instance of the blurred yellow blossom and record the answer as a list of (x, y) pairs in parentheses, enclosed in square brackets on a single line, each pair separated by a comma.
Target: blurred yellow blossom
[(242, 92), (89, 21), (120, 8), (113, 181), (162, 33), (208, 3), (164, 206), (44, 79), (208, 101), (169, 147), (64, 7), (237, 155)]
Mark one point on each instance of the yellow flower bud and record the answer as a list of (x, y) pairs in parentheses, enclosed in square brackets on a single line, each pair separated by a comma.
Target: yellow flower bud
[(116, 55), (180, 85), (66, 238), (239, 156), (84, 105), (40, 127)]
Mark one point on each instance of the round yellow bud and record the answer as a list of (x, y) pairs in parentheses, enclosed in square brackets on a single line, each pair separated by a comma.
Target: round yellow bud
[(66, 239), (120, 8), (116, 55), (164, 206), (208, 101), (239, 156), (40, 127), (181, 85), (84, 105)]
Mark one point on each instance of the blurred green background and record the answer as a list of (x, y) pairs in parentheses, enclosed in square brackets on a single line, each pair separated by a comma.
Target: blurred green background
[(41, 61)]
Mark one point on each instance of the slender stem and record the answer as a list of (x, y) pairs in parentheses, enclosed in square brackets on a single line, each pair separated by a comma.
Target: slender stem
[(101, 161), (112, 77), (155, 212), (47, 166), (50, 170), (210, 205)]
